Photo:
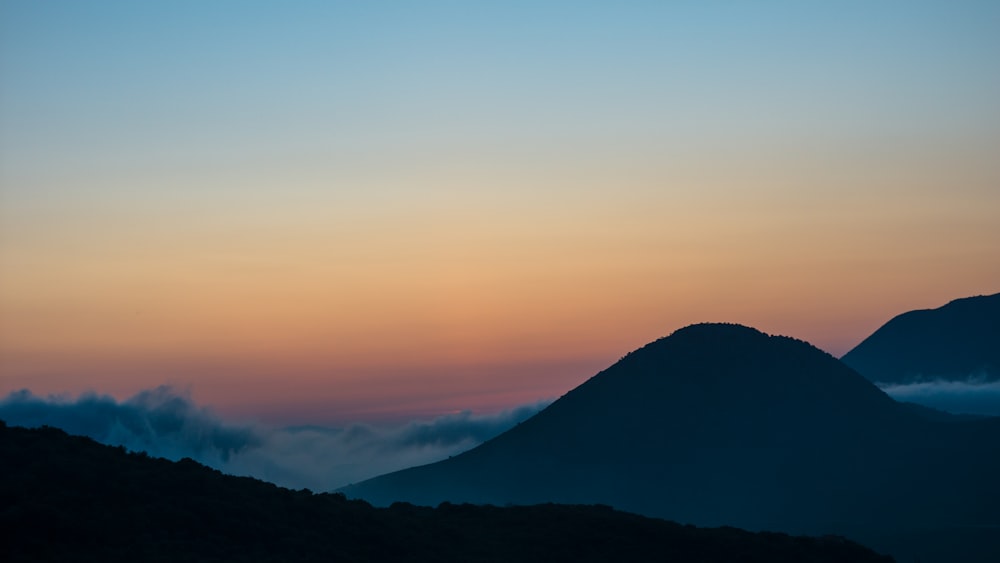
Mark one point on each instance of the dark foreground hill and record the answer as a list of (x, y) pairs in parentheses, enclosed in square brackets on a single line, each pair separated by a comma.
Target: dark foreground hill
[(724, 425), (65, 498), (956, 342)]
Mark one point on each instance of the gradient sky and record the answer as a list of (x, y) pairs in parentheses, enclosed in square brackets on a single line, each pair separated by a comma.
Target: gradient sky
[(316, 211)]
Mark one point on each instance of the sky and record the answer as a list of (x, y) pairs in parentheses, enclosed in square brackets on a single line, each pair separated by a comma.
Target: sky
[(323, 212)]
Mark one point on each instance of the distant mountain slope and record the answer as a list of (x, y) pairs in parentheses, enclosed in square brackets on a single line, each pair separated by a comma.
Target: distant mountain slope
[(65, 498), (724, 425), (953, 342)]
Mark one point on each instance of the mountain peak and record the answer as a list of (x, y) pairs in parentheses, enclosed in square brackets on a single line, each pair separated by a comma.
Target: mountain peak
[(718, 330), (733, 353), (711, 331), (696, 340), (705, 388), (734, 371), (722, 334), (722, 424), (993, 299), (958, 341)]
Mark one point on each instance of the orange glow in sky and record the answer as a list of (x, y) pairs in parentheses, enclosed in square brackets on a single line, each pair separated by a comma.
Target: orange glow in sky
[(369, 224)]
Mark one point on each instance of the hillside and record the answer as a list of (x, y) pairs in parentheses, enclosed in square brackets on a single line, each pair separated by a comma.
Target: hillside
[(956, 342), (724, 425), (66, 498)]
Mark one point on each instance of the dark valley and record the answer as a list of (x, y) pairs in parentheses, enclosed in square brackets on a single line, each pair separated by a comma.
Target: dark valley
[(66, 498)]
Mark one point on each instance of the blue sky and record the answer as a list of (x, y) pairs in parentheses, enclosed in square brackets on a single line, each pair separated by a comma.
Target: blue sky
[(485, 202)]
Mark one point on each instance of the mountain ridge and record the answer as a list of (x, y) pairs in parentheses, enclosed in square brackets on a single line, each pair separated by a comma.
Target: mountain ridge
[(959, 341), (67, 498), (720, 424)]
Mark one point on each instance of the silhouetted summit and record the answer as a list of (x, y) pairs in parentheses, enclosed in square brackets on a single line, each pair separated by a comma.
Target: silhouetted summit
[(663, 430), (956, 342), (721, 424), (730, 369)]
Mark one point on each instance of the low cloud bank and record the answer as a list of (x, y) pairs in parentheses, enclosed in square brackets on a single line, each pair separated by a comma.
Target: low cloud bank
[(159, 421), (166, 423), (975, 396)]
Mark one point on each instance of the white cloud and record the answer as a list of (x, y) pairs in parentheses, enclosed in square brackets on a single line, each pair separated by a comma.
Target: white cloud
[(974, 396), (168, 424)]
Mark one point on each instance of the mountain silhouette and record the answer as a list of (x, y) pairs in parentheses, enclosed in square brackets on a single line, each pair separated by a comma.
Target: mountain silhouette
[(956, 342), (66, 498), (721, 424)]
